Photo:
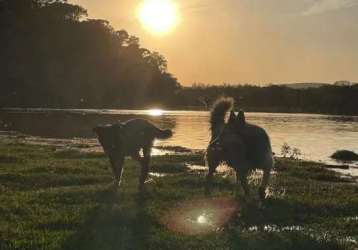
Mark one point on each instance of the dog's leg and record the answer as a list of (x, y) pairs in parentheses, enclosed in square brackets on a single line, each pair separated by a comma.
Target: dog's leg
[(117, 166), (267, 166), (264, 183), (145, 166), (242, 173), (212, 161), (137, 157), (237, 176)]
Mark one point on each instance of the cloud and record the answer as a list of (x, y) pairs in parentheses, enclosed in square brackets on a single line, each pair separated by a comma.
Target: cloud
[(321, 6)]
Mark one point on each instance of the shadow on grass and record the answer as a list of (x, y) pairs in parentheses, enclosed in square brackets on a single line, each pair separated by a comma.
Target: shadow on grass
[(120, 222), (10, 159)]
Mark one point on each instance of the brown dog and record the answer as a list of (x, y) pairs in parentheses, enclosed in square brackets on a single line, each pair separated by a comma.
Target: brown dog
[(128, 139)]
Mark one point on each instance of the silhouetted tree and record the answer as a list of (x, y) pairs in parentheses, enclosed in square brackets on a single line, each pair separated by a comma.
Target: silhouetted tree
[(277, 98), (52, 56)]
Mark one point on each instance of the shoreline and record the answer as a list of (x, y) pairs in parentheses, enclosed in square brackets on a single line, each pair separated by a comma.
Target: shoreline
[(86, 145), (165, 109)]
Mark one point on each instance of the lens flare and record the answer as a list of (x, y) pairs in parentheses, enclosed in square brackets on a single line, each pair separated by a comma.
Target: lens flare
[(201, 216), (202, 219)]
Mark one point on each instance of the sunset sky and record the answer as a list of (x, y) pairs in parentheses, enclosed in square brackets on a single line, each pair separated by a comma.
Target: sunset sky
[(248, 41)]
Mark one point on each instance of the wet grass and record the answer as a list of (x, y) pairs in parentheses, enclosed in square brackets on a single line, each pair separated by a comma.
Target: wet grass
[(65, 200)]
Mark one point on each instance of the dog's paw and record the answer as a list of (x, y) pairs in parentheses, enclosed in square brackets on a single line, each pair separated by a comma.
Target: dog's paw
[(262, 193), (149, 180)]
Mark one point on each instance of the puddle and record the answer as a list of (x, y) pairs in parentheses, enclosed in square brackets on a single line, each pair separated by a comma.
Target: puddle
[(154, 174), (276, 192), (220, 169), (255, 176), (353, 218), (275, 228), (319, 235), (160, 152), (201, 216), (350, 174), (199, 168), (176, 149)]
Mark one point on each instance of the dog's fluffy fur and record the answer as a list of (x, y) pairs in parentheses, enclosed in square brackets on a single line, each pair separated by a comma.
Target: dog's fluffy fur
[(242, 145), (128, 139)]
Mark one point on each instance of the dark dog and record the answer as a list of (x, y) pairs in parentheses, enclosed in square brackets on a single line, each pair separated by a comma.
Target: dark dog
[(128, 139), (241, 145)]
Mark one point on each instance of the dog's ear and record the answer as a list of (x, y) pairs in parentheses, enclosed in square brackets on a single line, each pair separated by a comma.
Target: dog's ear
[(232, 118), (241, 118)]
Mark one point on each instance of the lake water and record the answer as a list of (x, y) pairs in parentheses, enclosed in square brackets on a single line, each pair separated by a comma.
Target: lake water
[(317, 136)]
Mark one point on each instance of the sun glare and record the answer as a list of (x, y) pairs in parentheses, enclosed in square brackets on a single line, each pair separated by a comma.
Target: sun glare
[(155, 112), (158, 16)]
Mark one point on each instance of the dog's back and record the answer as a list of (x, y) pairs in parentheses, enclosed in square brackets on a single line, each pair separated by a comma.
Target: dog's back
[(258, 145), (129, 137), (138, 133), (144, 128)]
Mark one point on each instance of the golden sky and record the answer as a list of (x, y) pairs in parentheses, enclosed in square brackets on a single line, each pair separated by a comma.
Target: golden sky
[(249, 41)]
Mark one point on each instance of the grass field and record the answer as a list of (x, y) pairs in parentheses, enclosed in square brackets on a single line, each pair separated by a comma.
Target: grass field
[(65, 200)]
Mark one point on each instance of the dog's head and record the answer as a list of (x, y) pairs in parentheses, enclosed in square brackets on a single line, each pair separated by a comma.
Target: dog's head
[(237, 121), (230, 136)]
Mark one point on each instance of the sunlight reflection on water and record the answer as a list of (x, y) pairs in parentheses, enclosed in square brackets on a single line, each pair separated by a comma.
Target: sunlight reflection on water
[(155, 112)]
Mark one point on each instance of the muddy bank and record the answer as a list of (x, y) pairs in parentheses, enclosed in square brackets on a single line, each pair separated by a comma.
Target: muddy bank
[(84, 145)]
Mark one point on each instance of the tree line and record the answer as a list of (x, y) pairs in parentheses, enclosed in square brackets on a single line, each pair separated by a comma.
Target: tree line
[(329, 99), (53, 56)]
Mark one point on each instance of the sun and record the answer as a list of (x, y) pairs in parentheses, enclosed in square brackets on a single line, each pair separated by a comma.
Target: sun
[(158, 16)]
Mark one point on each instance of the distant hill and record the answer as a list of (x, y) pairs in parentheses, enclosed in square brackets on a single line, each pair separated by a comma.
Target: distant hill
[(305, 85)]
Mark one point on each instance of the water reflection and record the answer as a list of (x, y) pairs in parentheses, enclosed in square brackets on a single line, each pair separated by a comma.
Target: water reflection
[(159, 175), (275, 228), (222, 168), (155, 112), (317, 136)]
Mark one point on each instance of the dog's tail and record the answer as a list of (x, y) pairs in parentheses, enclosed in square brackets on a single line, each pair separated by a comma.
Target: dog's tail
[(163, 134), (218, 112)]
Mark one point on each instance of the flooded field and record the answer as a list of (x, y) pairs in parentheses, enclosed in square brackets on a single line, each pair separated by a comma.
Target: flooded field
[(316, 136)]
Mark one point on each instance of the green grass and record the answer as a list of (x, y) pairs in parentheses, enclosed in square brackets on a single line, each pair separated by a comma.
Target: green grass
[(65, 200)]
